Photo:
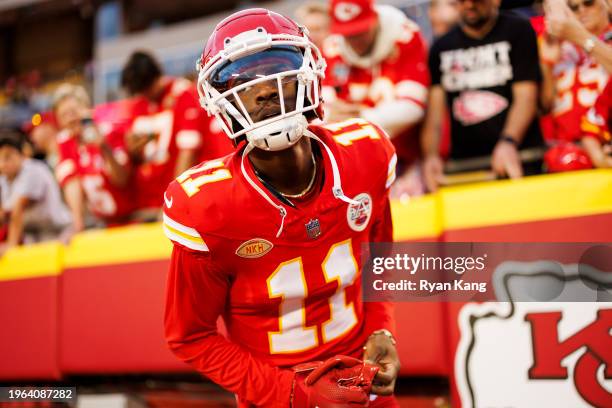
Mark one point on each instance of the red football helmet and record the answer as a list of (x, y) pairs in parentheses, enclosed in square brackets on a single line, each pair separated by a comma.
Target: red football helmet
[(566, 157), (257, 46)]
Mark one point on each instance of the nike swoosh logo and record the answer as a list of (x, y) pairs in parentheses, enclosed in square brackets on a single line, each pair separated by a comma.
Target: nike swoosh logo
[(168, 202)]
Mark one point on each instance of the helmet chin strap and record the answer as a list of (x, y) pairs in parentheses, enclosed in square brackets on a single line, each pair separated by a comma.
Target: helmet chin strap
[(337, 183)]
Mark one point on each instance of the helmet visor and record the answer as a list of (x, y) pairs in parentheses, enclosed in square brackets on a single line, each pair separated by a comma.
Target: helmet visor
[(268, 62)]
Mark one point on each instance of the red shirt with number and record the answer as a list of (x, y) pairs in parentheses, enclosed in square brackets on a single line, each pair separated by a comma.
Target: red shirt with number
[(579, 80), (284, 299), (175, 123), (401, 76), (85, 161)]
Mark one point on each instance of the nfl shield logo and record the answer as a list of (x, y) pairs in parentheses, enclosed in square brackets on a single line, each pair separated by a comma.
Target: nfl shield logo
[(313, 228)]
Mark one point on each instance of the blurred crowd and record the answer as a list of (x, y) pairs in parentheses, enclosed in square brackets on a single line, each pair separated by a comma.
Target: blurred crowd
[(495, 94)]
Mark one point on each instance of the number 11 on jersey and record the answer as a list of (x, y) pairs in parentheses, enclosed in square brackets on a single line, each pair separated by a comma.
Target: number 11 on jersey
[(288, 282)]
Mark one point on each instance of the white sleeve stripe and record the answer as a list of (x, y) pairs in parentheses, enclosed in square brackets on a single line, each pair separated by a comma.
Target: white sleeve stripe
[(411, 89), (390, 180), (391, 171), (185, 242), (180, 227), (392, 163)]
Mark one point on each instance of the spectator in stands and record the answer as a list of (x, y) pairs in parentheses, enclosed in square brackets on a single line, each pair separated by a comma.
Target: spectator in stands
[(576, 59), (485, 70), (443, 15), (32, 205), (43, 134), (315, 16), (93, 169), (377, 70), (170, 131)]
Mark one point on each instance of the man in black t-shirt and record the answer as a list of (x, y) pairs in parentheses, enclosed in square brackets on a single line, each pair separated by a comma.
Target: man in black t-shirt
[(486, 72)]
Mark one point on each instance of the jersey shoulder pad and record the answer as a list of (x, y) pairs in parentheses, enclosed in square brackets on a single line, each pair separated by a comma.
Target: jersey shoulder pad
[(352, 131), (178, 223), (362, 142), (191, 202)]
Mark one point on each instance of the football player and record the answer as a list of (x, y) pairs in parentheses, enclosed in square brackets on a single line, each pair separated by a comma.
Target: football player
[(272, 238)]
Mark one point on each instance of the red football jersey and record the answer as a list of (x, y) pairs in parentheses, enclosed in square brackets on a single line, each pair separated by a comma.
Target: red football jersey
[(287, 299), (177, 122), (579, 81), (85, 161), (596, 123), (403, 75)]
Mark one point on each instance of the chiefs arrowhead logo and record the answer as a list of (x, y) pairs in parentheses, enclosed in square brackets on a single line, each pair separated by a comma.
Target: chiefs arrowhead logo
[(473, 107), (254, 248), (346, 11), (518, 353), (593, 342)]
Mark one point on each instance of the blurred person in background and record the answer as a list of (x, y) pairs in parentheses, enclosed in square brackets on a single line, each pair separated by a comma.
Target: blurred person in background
[(485, 71), (170, 132), (32, 207), (576, 60), (314, 16), (42, 131), (377, 70), (443, 15), (94, 169)]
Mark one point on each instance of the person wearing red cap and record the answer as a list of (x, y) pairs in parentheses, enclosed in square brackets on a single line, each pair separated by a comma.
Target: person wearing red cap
[(377, 70)]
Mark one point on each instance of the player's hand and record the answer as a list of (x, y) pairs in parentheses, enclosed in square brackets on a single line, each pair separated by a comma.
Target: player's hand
[(338, 382), (409, 184), (505, 160), (340, 110), (380, 350), (433, 172), (561, 23), (135, 143)]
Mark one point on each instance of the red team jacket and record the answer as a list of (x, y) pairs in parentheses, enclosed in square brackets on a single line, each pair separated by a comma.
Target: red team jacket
[(288, 299)]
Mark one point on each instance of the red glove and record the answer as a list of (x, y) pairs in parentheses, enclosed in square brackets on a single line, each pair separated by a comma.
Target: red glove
[(340, 381)]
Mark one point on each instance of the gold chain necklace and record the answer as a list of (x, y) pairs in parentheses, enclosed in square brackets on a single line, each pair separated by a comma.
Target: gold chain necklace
[(310, 184)]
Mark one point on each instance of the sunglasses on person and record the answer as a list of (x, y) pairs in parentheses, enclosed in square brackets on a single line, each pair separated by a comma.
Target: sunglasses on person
[(576, 6)]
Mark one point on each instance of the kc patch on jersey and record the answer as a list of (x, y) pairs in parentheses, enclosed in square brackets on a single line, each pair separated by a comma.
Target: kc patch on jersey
[(358, 215)]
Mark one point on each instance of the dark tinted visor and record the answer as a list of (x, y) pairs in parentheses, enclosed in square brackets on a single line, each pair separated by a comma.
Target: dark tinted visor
[(267, 62)]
